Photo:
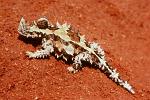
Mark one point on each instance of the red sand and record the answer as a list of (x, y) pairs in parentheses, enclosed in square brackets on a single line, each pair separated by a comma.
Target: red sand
[(122, 28)]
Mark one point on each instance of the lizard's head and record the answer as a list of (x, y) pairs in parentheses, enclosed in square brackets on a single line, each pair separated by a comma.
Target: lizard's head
[(36, 30)]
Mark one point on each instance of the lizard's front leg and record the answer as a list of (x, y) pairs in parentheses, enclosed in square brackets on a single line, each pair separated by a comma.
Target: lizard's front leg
[(78, 59), (47, 49)]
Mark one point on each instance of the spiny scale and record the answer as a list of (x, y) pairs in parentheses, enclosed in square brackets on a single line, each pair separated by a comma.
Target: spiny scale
[(67, 44)]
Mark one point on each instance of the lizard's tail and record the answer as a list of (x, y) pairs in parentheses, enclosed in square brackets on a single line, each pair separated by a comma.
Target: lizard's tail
[(113, 75), (103, 65)]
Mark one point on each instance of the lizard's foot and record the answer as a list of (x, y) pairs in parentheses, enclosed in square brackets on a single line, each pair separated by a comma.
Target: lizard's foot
[(38, 54), (75, 68), (30, 54), (72, 70), (45, 52), (77, 65)]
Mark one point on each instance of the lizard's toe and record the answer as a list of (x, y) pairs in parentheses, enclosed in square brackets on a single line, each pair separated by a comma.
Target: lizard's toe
[(29, 54), (72, 70)]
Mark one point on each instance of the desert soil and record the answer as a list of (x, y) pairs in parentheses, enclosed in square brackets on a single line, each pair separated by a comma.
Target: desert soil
[(122, 27)]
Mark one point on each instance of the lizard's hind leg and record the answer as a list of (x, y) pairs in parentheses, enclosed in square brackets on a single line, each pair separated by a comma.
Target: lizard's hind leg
[(47, 48), (78, 61), (97, 48)]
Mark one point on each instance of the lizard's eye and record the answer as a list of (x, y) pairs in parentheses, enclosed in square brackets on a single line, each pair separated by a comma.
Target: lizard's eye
[(42, 23), (65, 43)]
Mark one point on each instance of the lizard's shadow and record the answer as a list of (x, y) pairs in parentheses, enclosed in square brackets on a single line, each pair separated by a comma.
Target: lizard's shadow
[(34, 41), (88, 65)]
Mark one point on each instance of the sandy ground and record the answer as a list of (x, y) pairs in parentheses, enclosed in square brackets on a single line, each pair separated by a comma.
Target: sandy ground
[(122, 28)]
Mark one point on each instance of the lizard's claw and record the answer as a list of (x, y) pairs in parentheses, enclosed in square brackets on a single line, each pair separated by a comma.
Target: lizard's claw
[(72, 70), (29, 54)]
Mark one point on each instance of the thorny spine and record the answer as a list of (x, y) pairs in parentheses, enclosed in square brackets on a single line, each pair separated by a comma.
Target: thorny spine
[(43, 29)]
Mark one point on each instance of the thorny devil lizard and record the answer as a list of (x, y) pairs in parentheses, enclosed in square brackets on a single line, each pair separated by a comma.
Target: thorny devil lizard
[(69, 45)]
